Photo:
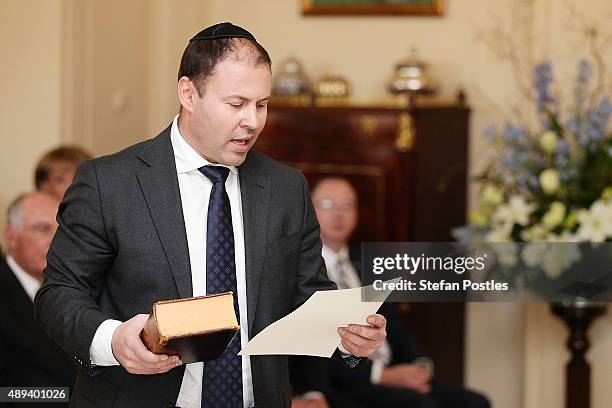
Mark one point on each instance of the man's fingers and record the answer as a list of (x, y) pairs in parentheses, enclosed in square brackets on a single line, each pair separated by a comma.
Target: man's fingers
[(133, 354), (367, 332), (150, 372), (375, 331), (352, 348), (377, 320), (154, 362), (358, 340), (365, 339), (415, 379), (356, 345), (138, 367), (142, 353), (422, 388), (156, 367), (144, 357)]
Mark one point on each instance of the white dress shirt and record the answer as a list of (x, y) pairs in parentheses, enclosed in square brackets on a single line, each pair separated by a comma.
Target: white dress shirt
[(343, 273), (195, 191), (27, 281)]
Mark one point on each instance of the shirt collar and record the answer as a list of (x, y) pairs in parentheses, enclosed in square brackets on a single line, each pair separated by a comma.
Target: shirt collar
[(331, 257), (28, 282), (185, 156)]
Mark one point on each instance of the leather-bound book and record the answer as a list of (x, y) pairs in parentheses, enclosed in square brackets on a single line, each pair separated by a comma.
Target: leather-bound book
[(195, 329)]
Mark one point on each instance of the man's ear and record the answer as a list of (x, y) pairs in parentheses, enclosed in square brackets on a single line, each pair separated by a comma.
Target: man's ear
[(10, 235), (187, 93)]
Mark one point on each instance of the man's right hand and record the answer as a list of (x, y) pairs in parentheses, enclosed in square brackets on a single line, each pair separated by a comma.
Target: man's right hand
[(407, 376), (133, 355)]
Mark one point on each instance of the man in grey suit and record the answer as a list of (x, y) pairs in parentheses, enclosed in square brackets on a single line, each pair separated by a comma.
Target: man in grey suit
[(143, 225)]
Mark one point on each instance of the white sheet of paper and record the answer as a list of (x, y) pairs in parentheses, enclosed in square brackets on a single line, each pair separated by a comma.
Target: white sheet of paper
[(312, 328)]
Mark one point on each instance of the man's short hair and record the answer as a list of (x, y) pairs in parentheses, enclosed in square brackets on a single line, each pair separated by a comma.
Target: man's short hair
[(201, 57), (62, 154), (13, 214)]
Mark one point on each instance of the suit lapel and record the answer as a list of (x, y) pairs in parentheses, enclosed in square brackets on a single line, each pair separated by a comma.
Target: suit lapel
[(255, 194), (18, 300), (159, 184)]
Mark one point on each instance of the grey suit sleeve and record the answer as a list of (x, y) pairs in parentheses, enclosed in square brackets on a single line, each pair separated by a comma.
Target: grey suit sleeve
[(312, 275), (77, 264)]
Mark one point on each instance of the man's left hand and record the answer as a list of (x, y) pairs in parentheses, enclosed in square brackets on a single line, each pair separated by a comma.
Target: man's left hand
[(319, 402), (364, 340)]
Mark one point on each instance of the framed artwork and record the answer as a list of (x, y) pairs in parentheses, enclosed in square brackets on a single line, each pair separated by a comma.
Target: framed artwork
[(373, 7)]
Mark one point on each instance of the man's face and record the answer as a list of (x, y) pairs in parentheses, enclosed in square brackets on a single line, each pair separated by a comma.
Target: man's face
[(224, 124), (336, 206), (59, 178), (28, 242)]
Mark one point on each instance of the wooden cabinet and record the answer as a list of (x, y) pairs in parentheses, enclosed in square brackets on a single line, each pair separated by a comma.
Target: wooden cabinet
[(409, 168)]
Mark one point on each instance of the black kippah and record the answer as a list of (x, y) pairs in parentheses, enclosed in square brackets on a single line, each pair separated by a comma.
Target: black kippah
[(223, 30)]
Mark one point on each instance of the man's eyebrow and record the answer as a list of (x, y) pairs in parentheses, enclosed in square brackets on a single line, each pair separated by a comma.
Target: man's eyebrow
[(236, 96), (244, 98)]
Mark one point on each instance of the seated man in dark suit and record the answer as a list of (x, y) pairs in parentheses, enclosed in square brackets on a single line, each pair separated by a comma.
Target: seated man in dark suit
[(28, 357), (400, 375)]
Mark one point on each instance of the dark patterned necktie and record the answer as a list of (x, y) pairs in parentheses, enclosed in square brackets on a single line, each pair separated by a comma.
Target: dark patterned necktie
[(222, 382)]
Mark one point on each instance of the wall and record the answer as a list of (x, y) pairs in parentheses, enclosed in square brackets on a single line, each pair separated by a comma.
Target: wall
[(171, 25), (106, 76), (30, 102)]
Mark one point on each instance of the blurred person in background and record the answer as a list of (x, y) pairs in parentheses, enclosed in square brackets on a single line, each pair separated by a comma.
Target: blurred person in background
[(56, 169), (28, 357), (399, 373)]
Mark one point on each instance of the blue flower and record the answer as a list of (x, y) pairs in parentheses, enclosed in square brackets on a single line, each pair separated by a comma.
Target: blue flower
[(532, 181), (572, 125), (563, 148), (584, 72), (582, 81), (591, 132), (524, 155), (508, 160), (543, 77), (601, 115), (513, 134), (490, 132)]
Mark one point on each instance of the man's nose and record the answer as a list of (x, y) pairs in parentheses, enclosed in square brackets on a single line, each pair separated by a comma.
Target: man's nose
[(250, 119)]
